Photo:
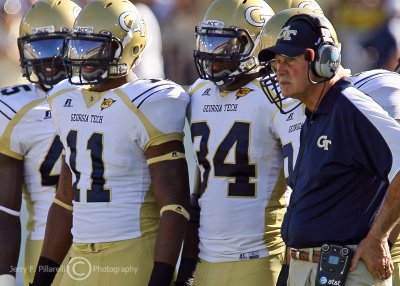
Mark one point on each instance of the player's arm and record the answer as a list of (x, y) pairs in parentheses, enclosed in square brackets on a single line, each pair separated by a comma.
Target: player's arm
[(374, 248), (58, 237), (11, 171), (170, 183), (190, 249)]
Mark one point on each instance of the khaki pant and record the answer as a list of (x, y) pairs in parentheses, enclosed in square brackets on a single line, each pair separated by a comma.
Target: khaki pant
[(127, 262), (396, 274), (255, 272), (302, 273)]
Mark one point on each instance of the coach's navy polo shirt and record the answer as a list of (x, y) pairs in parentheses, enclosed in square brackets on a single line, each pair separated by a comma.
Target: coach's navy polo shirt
[(341, 172)]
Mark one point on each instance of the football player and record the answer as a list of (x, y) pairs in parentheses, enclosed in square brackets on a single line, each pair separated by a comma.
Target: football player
[(382, 85), (239, 197), (30, 150), (123, 139)]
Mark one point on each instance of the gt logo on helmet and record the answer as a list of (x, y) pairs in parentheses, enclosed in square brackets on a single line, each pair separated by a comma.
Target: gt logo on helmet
[(129, 22), (256, 16), (310, 5)]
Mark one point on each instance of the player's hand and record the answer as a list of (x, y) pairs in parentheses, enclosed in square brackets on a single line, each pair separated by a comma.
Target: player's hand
[(376, 255)]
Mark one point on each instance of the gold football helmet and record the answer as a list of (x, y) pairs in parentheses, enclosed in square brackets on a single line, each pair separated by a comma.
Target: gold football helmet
[(273, 27), (270, 33), (106, 42), (228, 39), (42, 34), (279, 5)]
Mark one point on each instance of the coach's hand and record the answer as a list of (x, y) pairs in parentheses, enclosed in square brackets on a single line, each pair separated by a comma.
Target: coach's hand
[(376, 255)]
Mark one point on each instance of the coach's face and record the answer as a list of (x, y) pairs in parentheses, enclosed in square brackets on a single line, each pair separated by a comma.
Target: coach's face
[(292, 75)]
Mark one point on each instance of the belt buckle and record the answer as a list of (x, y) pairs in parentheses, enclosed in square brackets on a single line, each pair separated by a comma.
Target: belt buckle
[(296, 253)]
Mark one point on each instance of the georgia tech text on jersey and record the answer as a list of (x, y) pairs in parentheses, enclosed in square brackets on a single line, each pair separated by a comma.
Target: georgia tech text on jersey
[(86, 118)]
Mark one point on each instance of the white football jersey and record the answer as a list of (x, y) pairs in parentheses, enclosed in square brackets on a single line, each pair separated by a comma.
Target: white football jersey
[(105, 135), (240, 159), (383, 86), (27, 133)]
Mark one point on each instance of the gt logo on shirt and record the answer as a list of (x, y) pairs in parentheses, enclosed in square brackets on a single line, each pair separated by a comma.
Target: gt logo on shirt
[(323, 142)]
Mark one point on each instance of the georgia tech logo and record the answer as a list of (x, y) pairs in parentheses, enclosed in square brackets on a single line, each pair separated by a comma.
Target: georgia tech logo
[(243, 91), (323, 142), (107, 102), (310, 5), (257, 16), (130, 23), (286, 34)]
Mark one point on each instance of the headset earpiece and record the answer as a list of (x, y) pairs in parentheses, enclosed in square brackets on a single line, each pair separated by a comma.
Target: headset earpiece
[(309, 55), (328, 61)]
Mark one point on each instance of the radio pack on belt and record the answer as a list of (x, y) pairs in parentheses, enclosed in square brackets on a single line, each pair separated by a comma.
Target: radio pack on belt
[(334, 265)]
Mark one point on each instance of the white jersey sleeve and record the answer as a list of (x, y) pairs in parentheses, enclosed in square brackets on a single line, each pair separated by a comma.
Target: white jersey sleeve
[(105, 135), (28, 134), (383, 86)]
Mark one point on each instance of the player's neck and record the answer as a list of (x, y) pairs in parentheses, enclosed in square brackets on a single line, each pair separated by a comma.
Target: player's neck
[(242, 81), (110, 84)]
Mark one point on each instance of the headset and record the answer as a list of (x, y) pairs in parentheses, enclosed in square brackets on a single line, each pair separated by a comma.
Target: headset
[(325, 59)]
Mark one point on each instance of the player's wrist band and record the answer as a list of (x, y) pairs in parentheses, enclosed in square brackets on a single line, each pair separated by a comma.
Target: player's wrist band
[(62, 204), (162, 274), (46, 270), (175, 208), (174, 155), (9, 211), (7, 280)]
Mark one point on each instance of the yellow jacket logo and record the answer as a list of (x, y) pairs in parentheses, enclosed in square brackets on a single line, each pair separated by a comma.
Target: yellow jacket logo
[(107, 102), (243, 91)]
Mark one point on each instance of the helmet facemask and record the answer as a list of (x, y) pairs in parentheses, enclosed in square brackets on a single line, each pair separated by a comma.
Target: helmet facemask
[(41, 58), (223, 54), (94, 58)]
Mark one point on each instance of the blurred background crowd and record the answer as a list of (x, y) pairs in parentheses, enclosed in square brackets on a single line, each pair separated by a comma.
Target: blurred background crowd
[(369, 31)]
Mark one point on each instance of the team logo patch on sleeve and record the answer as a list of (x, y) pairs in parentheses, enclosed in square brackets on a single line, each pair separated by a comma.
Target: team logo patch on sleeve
[(243, 91), (107, 102)]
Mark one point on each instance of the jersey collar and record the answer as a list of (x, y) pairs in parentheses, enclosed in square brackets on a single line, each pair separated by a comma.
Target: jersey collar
[(331, 96)]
